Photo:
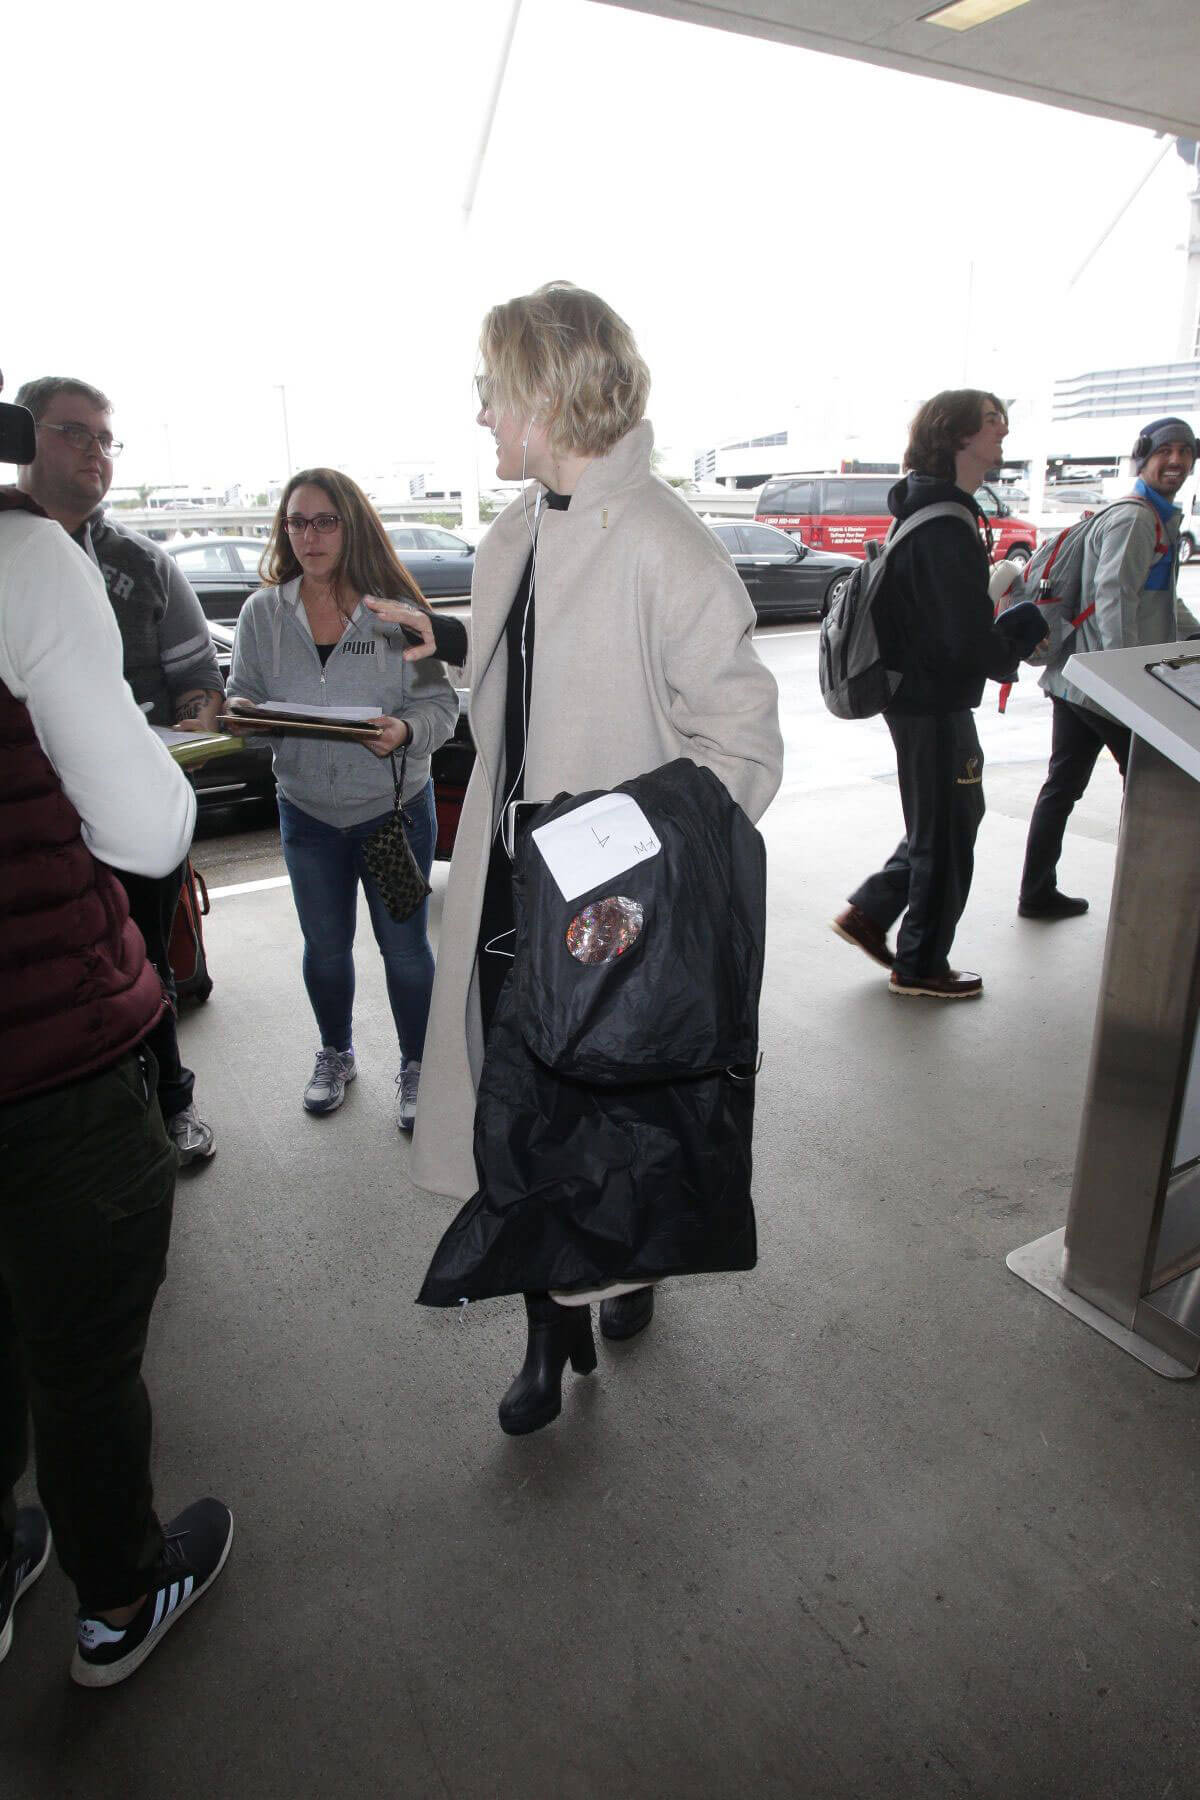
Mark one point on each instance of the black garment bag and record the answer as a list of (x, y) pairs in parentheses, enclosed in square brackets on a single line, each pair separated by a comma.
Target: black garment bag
[(615, 1110)]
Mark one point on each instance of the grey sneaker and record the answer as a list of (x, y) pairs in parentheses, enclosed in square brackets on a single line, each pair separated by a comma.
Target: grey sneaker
[(192, 1138), (407, 1083), (332, 1073)]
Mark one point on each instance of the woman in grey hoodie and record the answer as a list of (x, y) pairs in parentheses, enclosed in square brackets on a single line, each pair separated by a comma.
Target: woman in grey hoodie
[(309, 639)]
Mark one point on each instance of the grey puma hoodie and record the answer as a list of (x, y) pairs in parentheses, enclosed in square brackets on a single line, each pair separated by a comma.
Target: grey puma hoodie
[(275, 658)]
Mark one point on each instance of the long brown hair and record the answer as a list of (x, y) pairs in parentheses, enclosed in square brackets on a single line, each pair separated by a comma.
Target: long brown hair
[(368, 563)]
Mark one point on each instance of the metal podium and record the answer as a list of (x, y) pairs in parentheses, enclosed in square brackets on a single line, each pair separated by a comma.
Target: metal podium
[(1128, 1262)]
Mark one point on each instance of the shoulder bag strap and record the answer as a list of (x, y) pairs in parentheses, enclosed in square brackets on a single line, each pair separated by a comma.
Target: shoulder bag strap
[(398, 781), (941, 509)]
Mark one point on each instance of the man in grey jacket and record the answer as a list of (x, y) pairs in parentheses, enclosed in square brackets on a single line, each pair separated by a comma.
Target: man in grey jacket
[(169, 662), (1130, 572)]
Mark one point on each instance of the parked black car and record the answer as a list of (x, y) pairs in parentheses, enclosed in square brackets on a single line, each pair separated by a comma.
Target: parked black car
[(238, 770), (785, 579), (440, 563), (222, 570)]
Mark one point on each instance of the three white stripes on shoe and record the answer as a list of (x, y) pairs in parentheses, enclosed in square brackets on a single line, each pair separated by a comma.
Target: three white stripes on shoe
[(94, 1632)]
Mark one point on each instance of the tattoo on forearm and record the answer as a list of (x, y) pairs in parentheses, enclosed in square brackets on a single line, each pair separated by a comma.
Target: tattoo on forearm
[(190, 706)]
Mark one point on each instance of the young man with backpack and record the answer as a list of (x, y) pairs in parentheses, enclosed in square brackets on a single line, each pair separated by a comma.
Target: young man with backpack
[(937, 633), (1127, 561)]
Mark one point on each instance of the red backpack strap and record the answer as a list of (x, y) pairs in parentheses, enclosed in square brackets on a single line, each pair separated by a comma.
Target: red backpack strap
[(1161, 542), (1161, 545), (1059, 541)]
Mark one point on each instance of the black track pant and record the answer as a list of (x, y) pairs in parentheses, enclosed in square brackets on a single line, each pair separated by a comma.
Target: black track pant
[(928, 876), (1078, 737), (85, 1220)]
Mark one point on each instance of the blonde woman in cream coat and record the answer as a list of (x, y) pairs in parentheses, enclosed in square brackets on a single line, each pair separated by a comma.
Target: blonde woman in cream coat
[(641, 646)]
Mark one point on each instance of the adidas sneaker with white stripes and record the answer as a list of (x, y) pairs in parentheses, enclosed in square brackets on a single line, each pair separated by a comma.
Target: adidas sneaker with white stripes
[(28, 1557), (197, 1543)]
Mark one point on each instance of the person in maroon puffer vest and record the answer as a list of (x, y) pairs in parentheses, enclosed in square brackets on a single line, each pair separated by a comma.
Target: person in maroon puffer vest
[(170, 663), (89, 1170)]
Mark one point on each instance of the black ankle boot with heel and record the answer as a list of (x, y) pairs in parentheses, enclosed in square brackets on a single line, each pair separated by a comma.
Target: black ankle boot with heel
[(557, 1334), (627, 1314)]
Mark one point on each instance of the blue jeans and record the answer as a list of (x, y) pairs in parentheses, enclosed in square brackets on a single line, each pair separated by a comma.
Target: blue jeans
[(326, 864)]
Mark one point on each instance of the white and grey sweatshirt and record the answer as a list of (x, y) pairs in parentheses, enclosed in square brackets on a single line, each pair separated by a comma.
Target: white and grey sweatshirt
[(61, 653), (275, 658)]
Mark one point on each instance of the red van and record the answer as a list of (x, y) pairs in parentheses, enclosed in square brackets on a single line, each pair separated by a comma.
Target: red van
[(841, 512)]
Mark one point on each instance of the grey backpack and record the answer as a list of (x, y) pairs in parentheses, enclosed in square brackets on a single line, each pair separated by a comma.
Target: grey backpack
[(1053, 580), (856, 682)]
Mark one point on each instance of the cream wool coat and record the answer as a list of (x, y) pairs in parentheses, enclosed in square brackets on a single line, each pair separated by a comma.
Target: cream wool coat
[(643, 652)]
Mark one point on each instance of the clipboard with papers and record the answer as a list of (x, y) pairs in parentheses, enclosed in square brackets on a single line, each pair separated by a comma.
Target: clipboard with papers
[(1181, 674), (193, 749), (284, 718)]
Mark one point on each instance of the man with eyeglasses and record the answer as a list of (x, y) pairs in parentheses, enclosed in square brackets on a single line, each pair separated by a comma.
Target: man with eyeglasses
[(89, 1172), (170, 663)]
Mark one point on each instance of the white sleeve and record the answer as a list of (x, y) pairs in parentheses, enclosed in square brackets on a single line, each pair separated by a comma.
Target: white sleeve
[(60, 652)]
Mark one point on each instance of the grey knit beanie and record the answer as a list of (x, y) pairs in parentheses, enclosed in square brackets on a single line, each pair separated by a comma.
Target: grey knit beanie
[(1152, 437)]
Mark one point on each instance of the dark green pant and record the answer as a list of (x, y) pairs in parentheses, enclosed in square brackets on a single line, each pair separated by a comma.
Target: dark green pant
[(85, 1220)]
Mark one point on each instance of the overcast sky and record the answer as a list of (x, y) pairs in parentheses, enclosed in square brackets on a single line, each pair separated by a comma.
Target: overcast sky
[(205, 202)]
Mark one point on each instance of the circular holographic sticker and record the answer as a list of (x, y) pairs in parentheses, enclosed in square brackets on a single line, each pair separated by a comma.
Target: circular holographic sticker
[(605, 930)]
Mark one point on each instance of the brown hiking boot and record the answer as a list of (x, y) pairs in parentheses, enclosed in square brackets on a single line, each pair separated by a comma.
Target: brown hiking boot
[(865, 934), (952, 984)]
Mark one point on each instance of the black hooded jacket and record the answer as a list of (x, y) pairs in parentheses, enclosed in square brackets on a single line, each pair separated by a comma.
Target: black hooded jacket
[(936, 621)]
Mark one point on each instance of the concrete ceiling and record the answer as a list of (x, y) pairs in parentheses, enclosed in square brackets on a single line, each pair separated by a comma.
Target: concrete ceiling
[(1134, 60)]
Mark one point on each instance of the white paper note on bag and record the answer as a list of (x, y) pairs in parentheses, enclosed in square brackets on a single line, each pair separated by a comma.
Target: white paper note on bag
[(596, 843)]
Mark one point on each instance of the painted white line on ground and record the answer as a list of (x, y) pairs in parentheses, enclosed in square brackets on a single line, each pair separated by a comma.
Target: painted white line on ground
[(250, 887)]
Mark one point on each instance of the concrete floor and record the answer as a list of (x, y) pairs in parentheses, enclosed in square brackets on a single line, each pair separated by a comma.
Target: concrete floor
[(876, 1520)]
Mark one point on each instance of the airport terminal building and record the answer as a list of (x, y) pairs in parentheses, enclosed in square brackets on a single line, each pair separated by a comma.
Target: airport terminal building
[(1094, 417)]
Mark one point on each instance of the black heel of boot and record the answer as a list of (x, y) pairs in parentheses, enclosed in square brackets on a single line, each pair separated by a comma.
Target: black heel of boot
[(557, 1335), (583, 1344)]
